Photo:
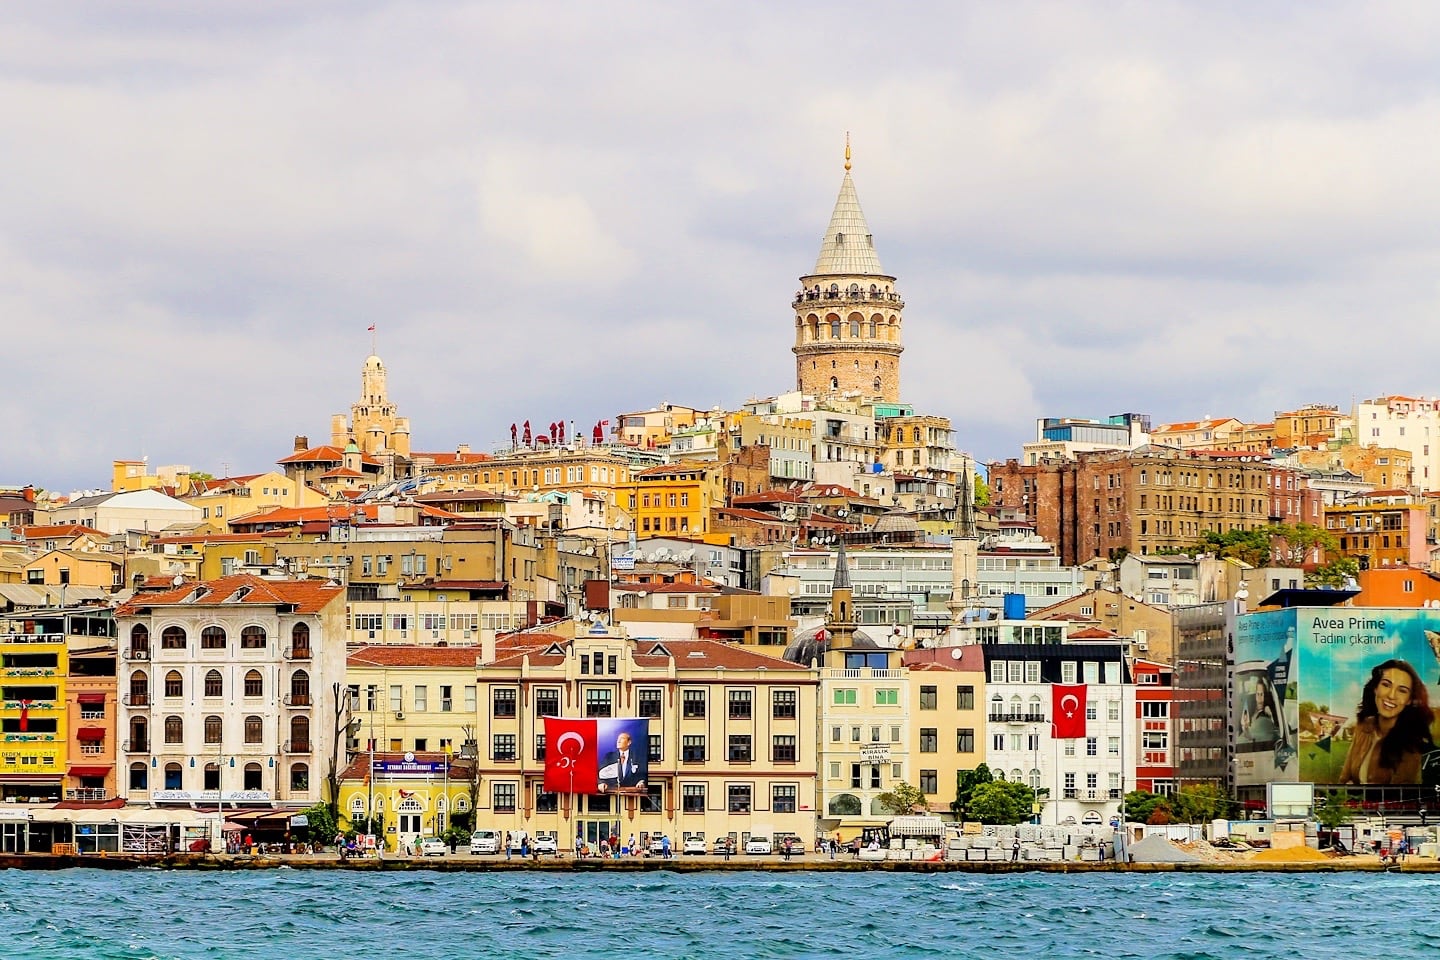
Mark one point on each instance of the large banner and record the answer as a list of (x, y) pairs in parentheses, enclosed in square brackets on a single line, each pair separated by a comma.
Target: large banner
[(1337, 695), (603, 755)]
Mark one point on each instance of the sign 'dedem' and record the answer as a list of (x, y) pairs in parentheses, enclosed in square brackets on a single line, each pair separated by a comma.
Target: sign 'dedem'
[(1337, 696)]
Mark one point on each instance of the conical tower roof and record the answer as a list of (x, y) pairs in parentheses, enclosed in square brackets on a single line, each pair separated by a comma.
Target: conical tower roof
[(841, 580), (847, 248)]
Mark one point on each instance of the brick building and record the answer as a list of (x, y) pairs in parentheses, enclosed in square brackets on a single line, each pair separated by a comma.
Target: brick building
[(1150, 499)]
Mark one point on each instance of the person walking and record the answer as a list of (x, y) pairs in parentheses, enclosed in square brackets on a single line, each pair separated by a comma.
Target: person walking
[(507, 844)]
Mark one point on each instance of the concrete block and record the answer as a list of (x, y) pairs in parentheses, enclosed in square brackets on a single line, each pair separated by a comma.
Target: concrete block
[(1029, 834), (1070, 852), (983, 843), (1089, 853), (975, 853)]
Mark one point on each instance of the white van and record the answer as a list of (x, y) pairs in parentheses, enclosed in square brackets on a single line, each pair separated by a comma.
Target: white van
[(484, 841)]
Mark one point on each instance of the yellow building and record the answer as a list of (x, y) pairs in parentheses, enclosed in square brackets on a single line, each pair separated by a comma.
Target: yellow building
[(33, 727), (731, 738), (225, 499), (674, 499), (69, 568), (921, 446), (413, 795), (947, 733)]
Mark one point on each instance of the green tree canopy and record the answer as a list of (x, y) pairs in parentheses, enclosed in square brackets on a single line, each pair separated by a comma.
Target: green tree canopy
[(1002, 801), (965, 783), (1140, 804), (1337, 808), (1334, 573), (1200, 804), (903, 798)]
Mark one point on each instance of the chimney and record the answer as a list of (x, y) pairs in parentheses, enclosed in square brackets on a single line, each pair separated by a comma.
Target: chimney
[(29, 493), (302, 444), (462, 448)]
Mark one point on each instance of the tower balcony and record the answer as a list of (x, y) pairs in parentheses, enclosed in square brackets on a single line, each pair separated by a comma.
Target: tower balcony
[(840, 297)]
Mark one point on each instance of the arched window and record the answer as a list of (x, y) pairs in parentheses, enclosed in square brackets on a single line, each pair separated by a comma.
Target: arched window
[(855, 329), (300, 734), (300, 776), (212, 729), (254, 730), (252, 638), (139, 735), (1034, 779), (845, 805), (174, 730), (300, 689), (174, 684), (139, 640), (139, 776), (139, 689), (212, 638), (877, 384), (834, 383), (1016, 776), (252, 776), (172, 638), (916, 434), (872, 329), (300, 639), (212, 777), (835, 329), (214, 684), (173, 775), (357, 804), (254, 684)]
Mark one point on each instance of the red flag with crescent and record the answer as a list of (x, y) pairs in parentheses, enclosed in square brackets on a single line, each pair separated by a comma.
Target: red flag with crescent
[(572, 756), (1068, 703)]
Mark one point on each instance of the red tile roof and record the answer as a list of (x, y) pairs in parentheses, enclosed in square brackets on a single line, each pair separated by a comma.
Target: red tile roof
[(413, 656), (58, 530), (705, 655), (326, 453), (306, 596), (451, 459), (665, 588), (1091, 633), (341, 472)]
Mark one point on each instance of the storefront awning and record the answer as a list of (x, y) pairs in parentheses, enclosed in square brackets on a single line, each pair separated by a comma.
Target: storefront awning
[(90, 771), (29, 778), (91, 698), (91, 733)]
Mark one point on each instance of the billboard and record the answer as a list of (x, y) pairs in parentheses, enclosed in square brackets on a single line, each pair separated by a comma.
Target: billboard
[(1336, 695), (600, 755)]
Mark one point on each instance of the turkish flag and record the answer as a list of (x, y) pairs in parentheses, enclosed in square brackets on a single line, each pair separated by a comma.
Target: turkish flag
[(572, 756), (1068, 704)]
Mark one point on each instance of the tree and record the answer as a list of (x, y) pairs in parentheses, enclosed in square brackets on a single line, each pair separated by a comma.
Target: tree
[(982, 492), (1002, 801), (322, 823), (1338, 808), (1140, 804), (1335, 573), (342, 707), (965, 783), (902, 799), (1200, 804), (1295, 543)]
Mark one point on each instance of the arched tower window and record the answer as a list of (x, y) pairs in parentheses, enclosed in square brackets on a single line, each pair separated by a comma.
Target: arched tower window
[(834, 383)]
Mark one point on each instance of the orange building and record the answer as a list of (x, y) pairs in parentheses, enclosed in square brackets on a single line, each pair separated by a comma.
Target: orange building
[(1310, 427), (1397, 587)]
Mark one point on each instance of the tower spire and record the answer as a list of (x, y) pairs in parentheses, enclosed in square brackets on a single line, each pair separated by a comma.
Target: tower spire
[(847, 151)]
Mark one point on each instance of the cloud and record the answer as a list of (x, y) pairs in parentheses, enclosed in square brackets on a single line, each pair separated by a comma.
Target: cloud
[(1166, 208)]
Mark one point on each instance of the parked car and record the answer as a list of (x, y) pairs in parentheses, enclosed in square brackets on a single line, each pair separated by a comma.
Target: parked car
[(484, 841), (430, 847), (758, 845), (657, 846), (694, 845), (721, 843), (546, 845)]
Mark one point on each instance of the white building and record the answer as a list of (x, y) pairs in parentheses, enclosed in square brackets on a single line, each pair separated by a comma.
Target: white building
[(1407, 423), (227, 691), (143, 510)]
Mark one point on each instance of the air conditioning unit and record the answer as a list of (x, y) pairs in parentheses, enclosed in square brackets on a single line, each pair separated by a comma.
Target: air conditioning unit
[(399, 715), (1142, 647)]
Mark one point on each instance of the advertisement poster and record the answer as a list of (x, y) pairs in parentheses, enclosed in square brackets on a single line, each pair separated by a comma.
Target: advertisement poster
[(1337, 695), (597, 756)]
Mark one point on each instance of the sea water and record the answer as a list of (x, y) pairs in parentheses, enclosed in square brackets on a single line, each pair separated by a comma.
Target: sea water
[(297, 915)]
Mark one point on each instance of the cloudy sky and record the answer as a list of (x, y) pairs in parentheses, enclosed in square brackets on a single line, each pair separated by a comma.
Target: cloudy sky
[(553, 209)]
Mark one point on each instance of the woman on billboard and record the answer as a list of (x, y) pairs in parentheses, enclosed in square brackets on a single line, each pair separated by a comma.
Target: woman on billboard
[(1392, 727)]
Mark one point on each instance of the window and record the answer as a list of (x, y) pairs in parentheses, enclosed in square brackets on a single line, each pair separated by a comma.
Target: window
[(929, 782), (739, 749), (539, 746), (782, 748), (174, 685), (421, 698), (784, 705), (965, 740), (887, 697), (545, 802), (447, 699), (212, 729), (1112, 746), (845, 696), (692, 749), (397, 698), (737, 797), (598, 702), (1092, 747), (854, 775), (1091, 710), (657, 748), (254, 684), (647, 703), (1153, 709), (503, 797), (782, 798), (1068, 672), (547, 702), (174, 730), (692, 798), (929, 698), (504, 702), (214, 684), (965, 698), (1112, 709), (172, 638), (997, 741), (299, 777), (929, 740), (299, 735), (740, 704), (139, 776), (254, 730), (692, 703), (503, 746), (653, 799), (252, 638), (212, 638)]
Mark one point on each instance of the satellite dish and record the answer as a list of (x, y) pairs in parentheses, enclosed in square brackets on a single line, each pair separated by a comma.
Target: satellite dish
[(178, 580), (956, 654)]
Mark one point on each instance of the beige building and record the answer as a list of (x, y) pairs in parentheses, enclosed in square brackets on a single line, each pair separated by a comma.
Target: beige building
[(1123, 616), (948, 724), (227, 498), (415, 699)]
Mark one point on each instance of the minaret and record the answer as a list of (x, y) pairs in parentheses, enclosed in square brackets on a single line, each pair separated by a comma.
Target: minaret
[(847, 313), (964, 553), (841, 622)]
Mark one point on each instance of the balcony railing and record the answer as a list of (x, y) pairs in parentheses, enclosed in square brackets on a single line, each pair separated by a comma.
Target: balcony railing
[(88, 794), (136, 699), (1070, 793), (91, 749), (296, 746), (297, 653), (297, 699), (18, 672), (1007, 717), (1112, 794), (135, 746)]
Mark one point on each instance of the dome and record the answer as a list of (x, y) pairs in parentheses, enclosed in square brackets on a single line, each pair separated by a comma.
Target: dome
[(895, 521), (811, 645)]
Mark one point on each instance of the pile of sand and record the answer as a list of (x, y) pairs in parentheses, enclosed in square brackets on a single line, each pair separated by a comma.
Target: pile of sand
[(1290, 855), (1157, 849)]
